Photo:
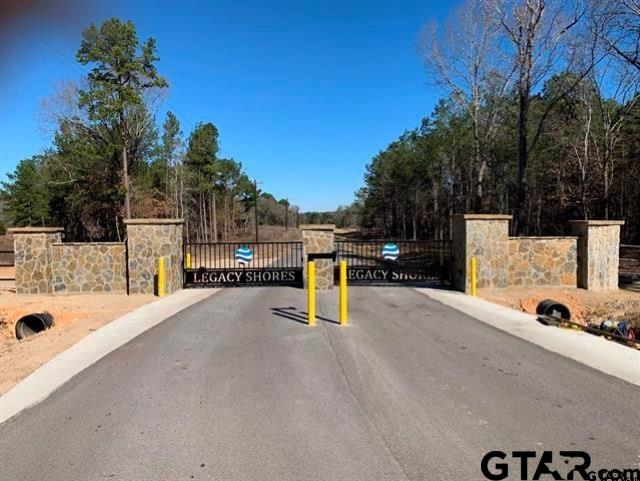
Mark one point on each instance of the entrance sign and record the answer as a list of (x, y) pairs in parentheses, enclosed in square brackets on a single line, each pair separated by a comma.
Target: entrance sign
[(370, 275), (204, 277), (244, 255), (392, 262), (219, 264)]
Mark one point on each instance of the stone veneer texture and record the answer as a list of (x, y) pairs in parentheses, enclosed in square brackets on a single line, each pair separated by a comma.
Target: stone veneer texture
[(89, 267), (484, 237), (32, 261), (148, 242), (542, 261), (598, 254), (318, 239), (486, 240)]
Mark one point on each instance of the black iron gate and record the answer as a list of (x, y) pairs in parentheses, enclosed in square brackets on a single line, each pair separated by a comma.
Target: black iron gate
[(280, 263), (243, 264), (391, 261)]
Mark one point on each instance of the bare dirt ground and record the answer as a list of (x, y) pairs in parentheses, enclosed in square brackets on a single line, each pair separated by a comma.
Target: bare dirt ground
[(585, 306), (75, 317)]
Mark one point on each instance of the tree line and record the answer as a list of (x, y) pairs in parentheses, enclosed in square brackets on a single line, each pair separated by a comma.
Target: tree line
[(110, 161), (540, 118)]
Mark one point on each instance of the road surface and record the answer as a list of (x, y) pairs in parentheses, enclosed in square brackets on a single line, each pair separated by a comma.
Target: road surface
[(238, 387)]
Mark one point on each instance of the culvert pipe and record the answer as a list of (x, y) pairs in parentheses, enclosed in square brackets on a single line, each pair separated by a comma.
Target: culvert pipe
[(549, 307), (32, 324)]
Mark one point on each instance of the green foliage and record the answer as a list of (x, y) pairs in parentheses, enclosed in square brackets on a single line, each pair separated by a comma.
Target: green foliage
[(343, 216), (580, 167), (106, 129), (171, 141), (201, 156), (27, 193), (123, 69)]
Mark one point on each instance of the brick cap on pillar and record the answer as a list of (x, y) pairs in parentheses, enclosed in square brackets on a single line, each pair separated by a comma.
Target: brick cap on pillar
[(482, 216), (35, 230), (317, 226), (597, 222), (153, 221)]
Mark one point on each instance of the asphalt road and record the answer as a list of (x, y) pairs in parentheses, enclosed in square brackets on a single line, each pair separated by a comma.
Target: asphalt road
[(237, 387)]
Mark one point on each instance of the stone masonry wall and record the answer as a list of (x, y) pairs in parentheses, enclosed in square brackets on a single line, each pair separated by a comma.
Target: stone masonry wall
[(89, 267), (32, 258), (590, 260), (486, 241), (598, 253), (149, 239), (542, 261), (318, 239), (485, 237)]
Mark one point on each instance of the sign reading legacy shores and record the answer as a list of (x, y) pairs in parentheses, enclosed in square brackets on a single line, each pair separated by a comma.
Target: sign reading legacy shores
[(243, 277), (384, 274)]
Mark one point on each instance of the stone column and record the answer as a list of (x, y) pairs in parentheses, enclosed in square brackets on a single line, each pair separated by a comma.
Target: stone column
[(316, 239), (147, 240), (485, 236), (598, 253), (33, 258)]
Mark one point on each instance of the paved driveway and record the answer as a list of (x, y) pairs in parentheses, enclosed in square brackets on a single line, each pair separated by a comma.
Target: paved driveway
[(237, 387)]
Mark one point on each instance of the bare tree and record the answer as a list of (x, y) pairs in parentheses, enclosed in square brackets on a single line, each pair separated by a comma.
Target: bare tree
[(463, 57), (536, 36), (616, 96), (616, 26), (617, 23)]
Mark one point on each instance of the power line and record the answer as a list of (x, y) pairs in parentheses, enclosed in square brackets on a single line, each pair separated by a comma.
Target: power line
[(49, 49)]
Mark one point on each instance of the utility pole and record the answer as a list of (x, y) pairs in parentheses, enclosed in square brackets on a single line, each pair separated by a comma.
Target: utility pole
[(286, 214), (255, 206)]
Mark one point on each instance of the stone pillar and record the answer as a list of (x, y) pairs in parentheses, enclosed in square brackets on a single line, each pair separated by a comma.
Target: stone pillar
[(485, 236), (147, 240), (33, 258), (598, 253), (316, 239)]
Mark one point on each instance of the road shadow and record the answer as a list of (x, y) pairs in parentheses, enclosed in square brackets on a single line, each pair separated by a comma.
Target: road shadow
[(293, 314)]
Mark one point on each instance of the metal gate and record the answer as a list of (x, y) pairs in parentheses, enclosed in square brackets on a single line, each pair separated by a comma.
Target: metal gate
[(243, 264), (395, 261)]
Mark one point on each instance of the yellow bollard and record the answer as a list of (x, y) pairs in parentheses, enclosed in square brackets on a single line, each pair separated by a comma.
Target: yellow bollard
[(474, 276), (162, 277), (311, 292), (343, 293), (187, 260)]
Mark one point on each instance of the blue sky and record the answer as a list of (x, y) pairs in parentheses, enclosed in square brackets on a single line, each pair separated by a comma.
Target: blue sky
[(303, 93)]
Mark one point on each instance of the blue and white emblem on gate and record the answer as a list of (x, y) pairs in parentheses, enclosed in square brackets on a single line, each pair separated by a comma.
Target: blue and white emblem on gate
[(244, 255), (390, 251)]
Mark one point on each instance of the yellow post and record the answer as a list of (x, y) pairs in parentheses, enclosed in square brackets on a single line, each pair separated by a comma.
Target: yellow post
[(474, 276), (343, 293), (311, 292), (162, 277), (187, 260)]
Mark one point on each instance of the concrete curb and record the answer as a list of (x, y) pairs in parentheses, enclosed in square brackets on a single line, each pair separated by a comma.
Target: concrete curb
[(47, 378), (593, 351)]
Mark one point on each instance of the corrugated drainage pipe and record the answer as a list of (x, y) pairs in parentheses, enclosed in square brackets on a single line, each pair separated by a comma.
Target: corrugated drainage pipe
[(33, 323), (552, 308)]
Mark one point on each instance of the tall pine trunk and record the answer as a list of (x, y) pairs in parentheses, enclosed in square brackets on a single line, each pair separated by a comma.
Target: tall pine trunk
[(215, 217), (125, 181)]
